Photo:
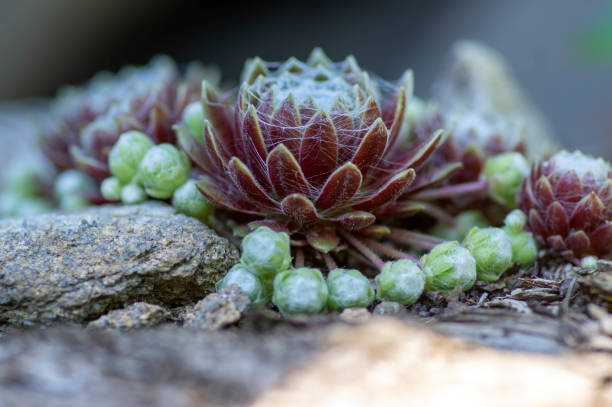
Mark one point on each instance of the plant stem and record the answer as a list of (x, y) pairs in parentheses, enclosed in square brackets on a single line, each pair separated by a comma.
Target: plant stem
[(414, 239), (389, 251), (329, 261), (438, 214), (453, 190), (299, 258), (357, 244)]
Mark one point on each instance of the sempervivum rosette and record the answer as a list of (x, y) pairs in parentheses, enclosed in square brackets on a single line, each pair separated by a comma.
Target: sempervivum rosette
[(313, 149), (474, 137), (568, 200), (86, 122)]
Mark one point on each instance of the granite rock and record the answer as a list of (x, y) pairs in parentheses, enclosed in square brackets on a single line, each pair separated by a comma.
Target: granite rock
[(217, 309), (137, 315), (77, 267)]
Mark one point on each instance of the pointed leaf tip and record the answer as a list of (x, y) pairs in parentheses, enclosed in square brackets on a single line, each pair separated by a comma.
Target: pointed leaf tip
[(300, 209)]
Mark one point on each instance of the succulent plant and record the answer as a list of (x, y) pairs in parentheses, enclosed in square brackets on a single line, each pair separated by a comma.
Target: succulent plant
[(348, 288), (568, 202), (312, 148), (162, 170), (240, 275), (449, 266), (300, 291), (189, 201), (266, 252), (492, 250), (400, 281), (87, 121), (127, 154), (504, 174), (524, 248), (111, 189), (132, 194), (474, 138)]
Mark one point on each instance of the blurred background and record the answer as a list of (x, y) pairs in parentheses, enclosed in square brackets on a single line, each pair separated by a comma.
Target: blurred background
[(560, 50)]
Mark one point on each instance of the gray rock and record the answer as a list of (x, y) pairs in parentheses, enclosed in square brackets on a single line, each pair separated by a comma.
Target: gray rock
[(165, 366), (217, 309), (137, 315), (77, 267)]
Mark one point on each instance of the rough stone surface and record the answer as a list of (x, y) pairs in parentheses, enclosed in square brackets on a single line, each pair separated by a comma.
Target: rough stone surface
[(217, 309), (382, 362), (137, 315), (77, 267), (165, 366)]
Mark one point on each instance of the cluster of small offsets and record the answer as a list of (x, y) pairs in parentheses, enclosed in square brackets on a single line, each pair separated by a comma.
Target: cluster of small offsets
[(345, 189)]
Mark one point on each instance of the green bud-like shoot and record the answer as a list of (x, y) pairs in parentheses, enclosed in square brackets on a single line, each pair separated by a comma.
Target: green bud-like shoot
[(300, 291), (248, 282), (111, 189), (447, 266), (163, 170), (524, 246), (515, 220), (189, 201), (348, 288), (505, 173), (266, 252), (400, 281), (133, 194), (492, 250), (127, 153), (589, 262), (73, 183), (193, 118)]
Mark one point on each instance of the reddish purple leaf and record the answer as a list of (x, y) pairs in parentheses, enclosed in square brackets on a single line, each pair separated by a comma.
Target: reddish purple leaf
[(556, 243), (253, 146), (248, 185), (543, 192), (370, 114), (226, 198), (375, 231), (286, 127), (319, 149), (340, 187), (323, 239), (216, 111), (300, 209), (371, 148), (285, 173), (399, 209), (433, 177), (527, 200), (569, 187), (355, 220), (389, 191), (556, 220), (578, 242), (345, 129), (587, 213), (601, 239), (217, 156), (398, 116), (537, 224)]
